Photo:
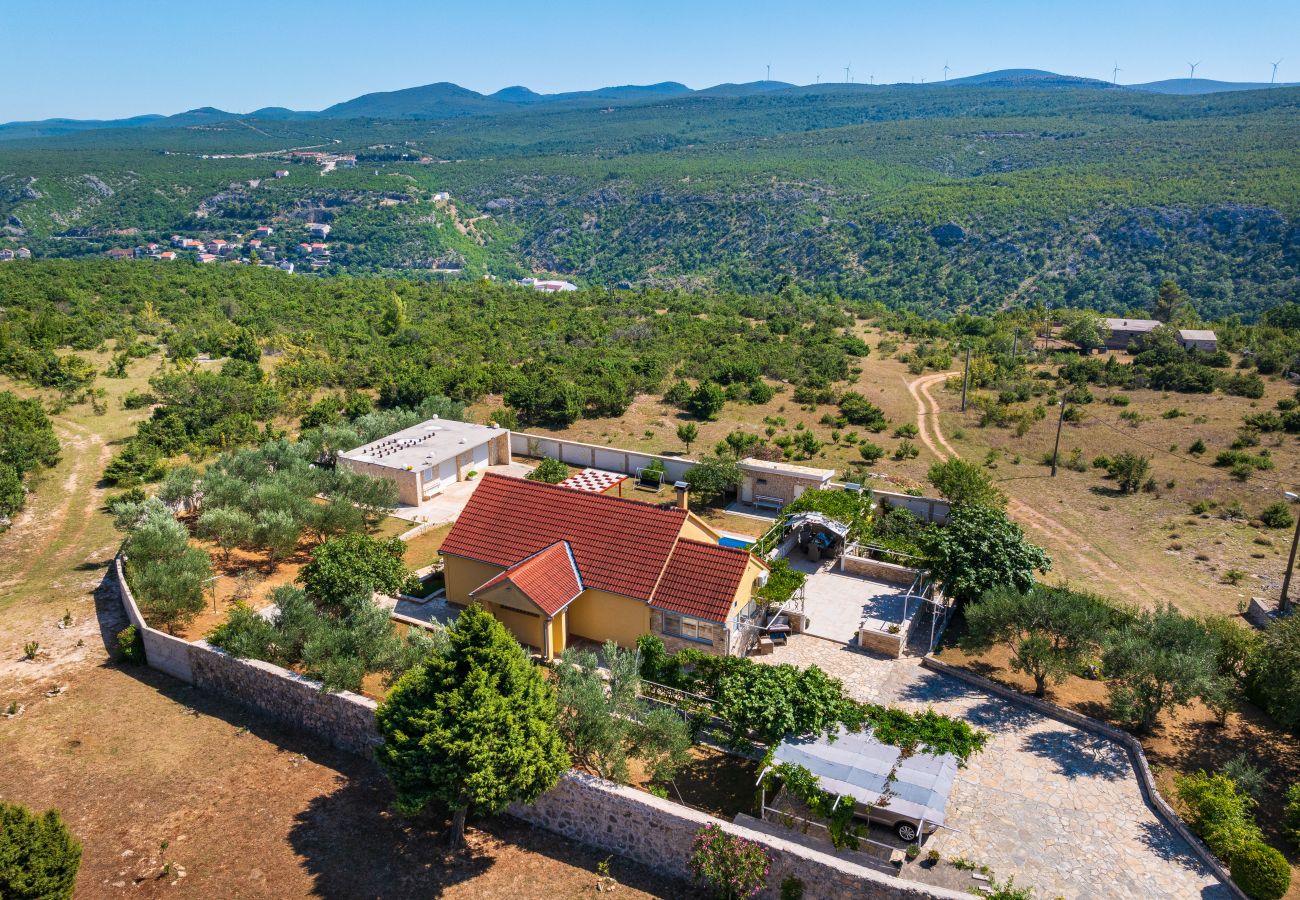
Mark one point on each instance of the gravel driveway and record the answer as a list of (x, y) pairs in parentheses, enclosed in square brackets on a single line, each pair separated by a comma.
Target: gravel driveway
[(1059, 808)]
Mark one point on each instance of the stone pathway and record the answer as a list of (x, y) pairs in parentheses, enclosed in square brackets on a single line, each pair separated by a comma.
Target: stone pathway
[(1059, 808)]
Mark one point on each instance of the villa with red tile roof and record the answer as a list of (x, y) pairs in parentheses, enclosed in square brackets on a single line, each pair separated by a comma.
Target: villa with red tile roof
[(554, 563)]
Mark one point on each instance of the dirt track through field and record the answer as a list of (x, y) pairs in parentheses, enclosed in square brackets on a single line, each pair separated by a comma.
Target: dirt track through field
[(57, 516), (1061, 539)]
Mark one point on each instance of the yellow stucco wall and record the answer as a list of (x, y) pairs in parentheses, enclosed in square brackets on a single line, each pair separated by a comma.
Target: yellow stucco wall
[(695, 529), (600, 616), (747, 587), (558, 641), (527, 629), (463, 575)]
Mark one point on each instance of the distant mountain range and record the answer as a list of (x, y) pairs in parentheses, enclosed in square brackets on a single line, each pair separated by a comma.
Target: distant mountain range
[(445, 100)]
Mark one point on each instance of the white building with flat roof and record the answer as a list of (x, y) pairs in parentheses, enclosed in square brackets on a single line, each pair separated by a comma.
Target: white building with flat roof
[(424, 459)]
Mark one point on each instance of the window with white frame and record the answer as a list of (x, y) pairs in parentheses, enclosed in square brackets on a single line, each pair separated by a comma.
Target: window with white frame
[(687, 627)]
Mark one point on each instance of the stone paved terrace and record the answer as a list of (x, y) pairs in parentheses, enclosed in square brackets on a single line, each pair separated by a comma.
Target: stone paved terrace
[(837, 603), (1059, 808)]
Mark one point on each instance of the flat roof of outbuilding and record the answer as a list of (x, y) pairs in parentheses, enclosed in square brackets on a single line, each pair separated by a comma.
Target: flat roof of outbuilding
[(424, 445), (1132, 324), (753, 464)]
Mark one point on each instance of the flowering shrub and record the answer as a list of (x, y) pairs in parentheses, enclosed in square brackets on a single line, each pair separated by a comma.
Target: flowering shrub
[(730, 866)]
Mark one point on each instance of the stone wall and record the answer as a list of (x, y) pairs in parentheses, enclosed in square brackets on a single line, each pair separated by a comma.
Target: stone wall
[(881, 641), (345, 720), (874, 568), (658, 834), (721, 637)]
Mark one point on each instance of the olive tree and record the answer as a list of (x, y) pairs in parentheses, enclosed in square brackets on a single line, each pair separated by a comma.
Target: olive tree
[(1050, 631)]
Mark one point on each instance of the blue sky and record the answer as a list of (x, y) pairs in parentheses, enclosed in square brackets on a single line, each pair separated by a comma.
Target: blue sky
[(108, 58)]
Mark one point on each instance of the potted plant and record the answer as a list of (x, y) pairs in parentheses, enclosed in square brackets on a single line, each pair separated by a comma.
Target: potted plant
[(912, 852)]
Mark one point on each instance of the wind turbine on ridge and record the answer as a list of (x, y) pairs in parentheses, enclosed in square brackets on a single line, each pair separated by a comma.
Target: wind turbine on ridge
[(1273, 80), (769, 71), (1193, 67), (1114, 73), (945, 71), (848, 77)]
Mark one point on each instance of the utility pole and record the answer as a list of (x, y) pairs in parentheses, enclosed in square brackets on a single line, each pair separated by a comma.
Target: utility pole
[(1284, 607), (965, 379), (1056, 452)]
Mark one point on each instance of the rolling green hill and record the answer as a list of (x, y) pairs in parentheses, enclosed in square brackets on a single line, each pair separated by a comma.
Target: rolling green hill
[(935, 197)]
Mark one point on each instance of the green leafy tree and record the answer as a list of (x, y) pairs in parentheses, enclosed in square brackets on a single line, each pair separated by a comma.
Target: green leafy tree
[(278, 531), (27, 440), (772, 702), (739, 443), (354, 564), (605, 724), (12, 492), (1158, 660), (549, 470), (688, 433), (1172, 305), (713, 478), (1087, 331), (165, 573), (1129, 470), (227, 527), (981, 549), (963, 484), (1050, 631), (39, 857), (1273, 671), (858, 410), (707, 401), (472, 728)]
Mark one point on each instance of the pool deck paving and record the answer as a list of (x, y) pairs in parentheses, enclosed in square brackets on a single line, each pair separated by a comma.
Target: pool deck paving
[(1059, 808)]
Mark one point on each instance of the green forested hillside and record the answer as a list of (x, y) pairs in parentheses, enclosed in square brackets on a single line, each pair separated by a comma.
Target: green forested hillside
[(933, 198)]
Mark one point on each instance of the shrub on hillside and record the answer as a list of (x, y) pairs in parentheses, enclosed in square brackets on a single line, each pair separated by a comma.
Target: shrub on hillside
[(1276, 515), (1261, 871), (39, 857)]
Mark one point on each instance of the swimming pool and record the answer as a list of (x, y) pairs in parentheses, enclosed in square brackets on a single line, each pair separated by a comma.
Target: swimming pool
[(742, 543)]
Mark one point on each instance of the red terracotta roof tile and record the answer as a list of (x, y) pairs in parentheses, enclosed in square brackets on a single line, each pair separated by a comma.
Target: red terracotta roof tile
[(701, 580), (620, 546), (549, 578)]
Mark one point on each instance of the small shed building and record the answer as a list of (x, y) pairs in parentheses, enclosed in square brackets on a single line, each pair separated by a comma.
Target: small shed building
[(424, 459), (1124, 332), (773, 485), (1198, 339)]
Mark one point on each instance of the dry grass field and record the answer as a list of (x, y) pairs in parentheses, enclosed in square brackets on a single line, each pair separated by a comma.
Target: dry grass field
[(174, 793), (1144, 548)]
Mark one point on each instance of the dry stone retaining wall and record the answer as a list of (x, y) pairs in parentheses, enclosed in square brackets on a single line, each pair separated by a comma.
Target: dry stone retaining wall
[(655, 832), (658, 833), (345, 720)]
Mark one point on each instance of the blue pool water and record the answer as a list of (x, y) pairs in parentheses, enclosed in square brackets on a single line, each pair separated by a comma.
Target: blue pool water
[(735, 542)]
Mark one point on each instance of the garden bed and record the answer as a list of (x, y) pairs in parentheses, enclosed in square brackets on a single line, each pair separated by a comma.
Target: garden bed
[(714, 782)]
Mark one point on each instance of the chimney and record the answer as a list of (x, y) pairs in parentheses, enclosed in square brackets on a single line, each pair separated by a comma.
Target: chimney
[(683, 495)]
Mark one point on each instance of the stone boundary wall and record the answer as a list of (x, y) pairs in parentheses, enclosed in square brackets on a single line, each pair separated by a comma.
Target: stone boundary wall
[(658, 834), (1150, 792), (345, 720), (878, 569)]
